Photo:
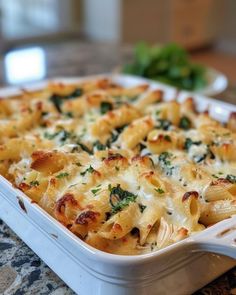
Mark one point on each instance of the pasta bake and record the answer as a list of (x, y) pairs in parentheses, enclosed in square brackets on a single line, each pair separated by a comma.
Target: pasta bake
[(123, 169)]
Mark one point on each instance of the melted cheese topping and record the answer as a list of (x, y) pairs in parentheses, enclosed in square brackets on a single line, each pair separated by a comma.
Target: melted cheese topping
[(122, 169)]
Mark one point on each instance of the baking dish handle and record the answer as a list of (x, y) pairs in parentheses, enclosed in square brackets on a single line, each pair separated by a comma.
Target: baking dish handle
[(222, 241)]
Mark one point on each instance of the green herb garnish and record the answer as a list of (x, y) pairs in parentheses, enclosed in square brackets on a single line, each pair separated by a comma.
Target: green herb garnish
[(57, 102), (76, 93), (169, 64), (96, 190), (159, 190), (164, 158), (120, 198), (63, 133), (62, 175), (115, 134), (88, 170), (105, 107), (167, 138), (163, 124), (84, 147), (34, 183), (50, 136), (231, 178), (189, 142), (142, 207), (99, 146), (185, 123)]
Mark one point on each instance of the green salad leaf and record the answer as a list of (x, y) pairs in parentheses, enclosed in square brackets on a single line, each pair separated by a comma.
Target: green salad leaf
[(169, 64)]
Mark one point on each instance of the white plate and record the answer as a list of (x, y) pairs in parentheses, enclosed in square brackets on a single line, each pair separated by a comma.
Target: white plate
[(217, 83)]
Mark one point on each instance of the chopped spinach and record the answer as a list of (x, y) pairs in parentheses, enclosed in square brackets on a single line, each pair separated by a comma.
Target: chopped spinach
[(95, 191), (68, 114), (34, 183), (62, 175), (142, 207), (64, 135), (189, 142), (76, 93), (165, 162), (199, 158), (164, 158), (84, 147), (185, 123), (57, 100), (163, 124), (114, 135), (167, 138), (99, 146), (105, 107), (88, 170), (231, 178), (120, 198), (159, 190), (50, 136)]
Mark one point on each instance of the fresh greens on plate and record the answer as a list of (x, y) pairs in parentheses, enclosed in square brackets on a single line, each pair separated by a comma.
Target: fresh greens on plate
[(169, 64)]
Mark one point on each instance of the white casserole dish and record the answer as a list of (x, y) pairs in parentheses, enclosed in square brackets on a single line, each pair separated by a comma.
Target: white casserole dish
[(181, 268)]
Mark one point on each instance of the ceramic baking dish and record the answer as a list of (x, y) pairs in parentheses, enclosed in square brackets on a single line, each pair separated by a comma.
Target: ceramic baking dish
[(181, 268)]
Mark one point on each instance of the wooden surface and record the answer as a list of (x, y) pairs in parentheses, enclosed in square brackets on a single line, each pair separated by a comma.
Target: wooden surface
[(226, 63)]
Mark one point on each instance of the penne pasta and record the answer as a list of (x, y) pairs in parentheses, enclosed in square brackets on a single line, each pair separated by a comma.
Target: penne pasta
[(123, 169)]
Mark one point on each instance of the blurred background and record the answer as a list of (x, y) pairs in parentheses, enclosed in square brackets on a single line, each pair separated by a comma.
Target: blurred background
[(79, 37)]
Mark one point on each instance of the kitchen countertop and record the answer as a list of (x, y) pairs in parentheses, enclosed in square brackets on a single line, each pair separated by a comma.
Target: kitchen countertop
[(21, 271)]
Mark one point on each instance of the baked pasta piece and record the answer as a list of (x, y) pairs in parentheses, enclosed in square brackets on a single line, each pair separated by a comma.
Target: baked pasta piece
[(123, 169)]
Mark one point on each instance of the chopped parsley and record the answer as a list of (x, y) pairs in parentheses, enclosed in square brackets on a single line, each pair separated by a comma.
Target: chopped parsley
[(189, 142), (115, 134), (231, 178), (142, 207), (165, 163), (120, 198), (34, 183), (64, 135), (88, 170), (163, 124), (164, 158), (214, 175), (159, 190), (44, 114), (57, 100), (50, 136), (62, 175), (99, 146), (167, 138), (84, 147), (185, 123), (105, 107), (96, 190), (76, 93), (68, 114)]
